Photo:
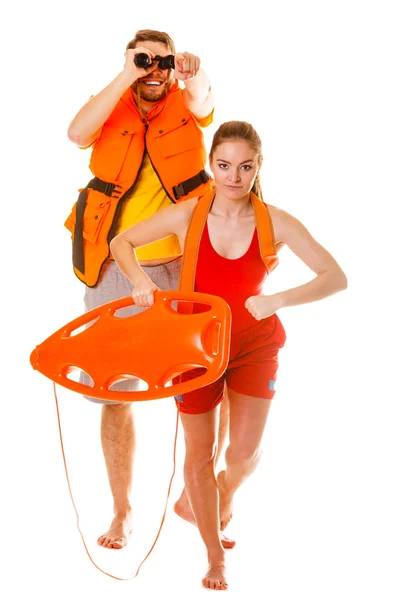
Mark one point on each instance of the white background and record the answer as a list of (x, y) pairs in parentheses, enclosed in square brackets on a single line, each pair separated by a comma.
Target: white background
[(319, 519)]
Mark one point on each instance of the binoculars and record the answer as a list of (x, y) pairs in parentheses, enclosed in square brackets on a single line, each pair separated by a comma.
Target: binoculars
[(164, 62)]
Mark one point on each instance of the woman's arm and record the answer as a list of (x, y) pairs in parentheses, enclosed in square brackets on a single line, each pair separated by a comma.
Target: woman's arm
[(329, 276), (168, 221)]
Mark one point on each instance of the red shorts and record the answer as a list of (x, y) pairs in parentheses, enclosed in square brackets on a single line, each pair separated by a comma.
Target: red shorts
[(252, 368)]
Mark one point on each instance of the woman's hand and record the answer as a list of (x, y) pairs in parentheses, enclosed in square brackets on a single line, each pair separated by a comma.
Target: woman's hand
[(261, 307), (143, 293)]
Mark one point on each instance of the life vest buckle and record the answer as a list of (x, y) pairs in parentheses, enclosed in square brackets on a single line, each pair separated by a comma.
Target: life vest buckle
[(109, 189), (178, 191), (105, 187), (183, 188)]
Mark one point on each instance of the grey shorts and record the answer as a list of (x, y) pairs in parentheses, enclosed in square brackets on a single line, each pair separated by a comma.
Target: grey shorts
[(114, 285)]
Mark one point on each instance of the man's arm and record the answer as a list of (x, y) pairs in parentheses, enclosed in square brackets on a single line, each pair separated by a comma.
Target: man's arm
[(197, 94), (86, 127)]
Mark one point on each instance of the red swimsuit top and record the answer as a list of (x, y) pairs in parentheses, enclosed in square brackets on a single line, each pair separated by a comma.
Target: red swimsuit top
[(234, 280)]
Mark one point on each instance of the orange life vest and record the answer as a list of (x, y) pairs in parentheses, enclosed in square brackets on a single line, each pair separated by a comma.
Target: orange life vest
[(174, 142), (194, 233)]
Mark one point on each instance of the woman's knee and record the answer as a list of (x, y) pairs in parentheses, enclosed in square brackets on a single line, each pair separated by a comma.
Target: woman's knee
[(199, 454), (199, 468), (242, 453), (200, 437)]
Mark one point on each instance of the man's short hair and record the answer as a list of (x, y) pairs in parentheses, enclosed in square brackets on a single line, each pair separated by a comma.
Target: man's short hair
[(151, 35)]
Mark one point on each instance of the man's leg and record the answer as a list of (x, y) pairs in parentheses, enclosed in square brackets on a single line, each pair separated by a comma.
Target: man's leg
[(118, 442), (117, 426), (201, 485), (117, 423)]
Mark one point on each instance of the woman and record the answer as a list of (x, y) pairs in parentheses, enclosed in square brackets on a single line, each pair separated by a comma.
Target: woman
[(230, 264)]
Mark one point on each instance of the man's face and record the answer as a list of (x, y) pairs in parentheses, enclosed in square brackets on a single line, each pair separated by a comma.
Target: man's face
[(154, 85)]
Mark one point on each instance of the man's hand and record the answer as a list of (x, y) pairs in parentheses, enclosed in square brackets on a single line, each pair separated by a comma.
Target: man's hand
[(186, 66), (261, 307), (131, 71)]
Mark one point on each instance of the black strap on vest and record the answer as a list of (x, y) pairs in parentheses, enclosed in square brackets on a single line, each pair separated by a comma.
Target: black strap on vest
[(190, 184), (109, 189), (112, 190)]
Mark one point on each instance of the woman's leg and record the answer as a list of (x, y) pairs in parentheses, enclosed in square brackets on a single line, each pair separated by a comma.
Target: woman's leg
[(248, 416), (182, 506), (201, 487)]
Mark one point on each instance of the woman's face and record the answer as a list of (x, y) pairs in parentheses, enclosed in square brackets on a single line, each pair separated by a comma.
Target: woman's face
[(235, 165)]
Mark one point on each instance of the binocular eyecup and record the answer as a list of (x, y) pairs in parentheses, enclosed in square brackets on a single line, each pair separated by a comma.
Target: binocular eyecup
[(143, 61)]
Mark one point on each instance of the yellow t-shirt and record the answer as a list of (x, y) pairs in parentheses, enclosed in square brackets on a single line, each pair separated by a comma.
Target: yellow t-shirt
[(147, 198)]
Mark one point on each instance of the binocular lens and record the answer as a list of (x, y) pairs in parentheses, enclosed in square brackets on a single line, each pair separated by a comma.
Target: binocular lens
[(143, 61)]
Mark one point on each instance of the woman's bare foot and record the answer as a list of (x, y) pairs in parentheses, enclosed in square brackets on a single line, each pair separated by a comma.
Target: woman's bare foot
[(215, 578), (117, 536), (183, 509), (225, 501)]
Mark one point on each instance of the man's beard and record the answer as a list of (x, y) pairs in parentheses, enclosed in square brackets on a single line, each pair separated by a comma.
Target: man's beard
[(149, 95)]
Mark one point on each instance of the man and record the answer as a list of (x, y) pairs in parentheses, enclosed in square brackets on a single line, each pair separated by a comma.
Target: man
[(148, 151)]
